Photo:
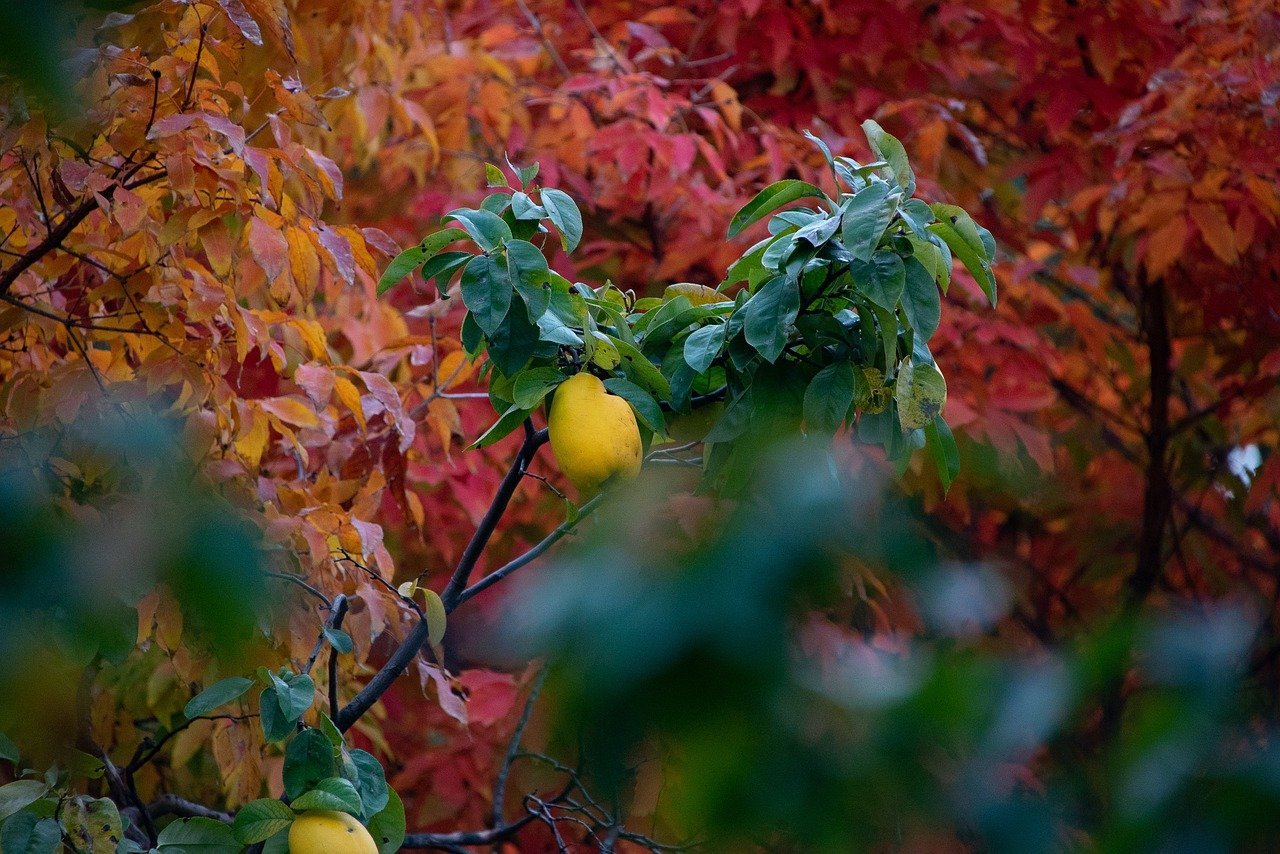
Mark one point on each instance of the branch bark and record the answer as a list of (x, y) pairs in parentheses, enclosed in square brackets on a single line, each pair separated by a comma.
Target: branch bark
[(412, 643)]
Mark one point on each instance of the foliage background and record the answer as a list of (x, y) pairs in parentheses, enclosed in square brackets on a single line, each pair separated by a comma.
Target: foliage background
[(239, 173)]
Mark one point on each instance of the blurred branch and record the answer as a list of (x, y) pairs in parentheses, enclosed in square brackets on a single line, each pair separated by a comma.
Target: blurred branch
[(500, 785), (174, 805)]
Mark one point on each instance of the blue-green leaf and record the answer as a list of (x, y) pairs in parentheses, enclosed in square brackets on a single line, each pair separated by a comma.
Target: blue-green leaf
[(920, 301), (768, 316), (887, 148), (828, 397), (307, 760), (769, 200), (882, 280), (486, 292), (564, 214), (702, 347), (486, 228), (528, 269), (218, 694), (866, 216), (333, 793)]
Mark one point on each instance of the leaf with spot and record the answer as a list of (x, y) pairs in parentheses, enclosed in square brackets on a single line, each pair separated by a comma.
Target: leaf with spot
[(921, 393)]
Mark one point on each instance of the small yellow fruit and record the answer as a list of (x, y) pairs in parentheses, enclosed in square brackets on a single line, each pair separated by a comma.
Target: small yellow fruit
[(327, 832), (593, 434), (697, 294)]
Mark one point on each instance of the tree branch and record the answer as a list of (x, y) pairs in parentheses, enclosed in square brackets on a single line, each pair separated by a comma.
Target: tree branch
[(533, 553), (412, 643)]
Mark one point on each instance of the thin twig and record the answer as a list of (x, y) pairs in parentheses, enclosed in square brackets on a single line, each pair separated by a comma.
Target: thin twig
[(547, 542), (500, 785)]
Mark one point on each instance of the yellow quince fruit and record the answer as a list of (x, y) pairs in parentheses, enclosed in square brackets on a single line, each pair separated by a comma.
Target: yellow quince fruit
[(329, 832), (593, 434)]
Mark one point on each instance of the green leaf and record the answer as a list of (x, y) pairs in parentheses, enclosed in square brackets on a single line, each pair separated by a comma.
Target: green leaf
[(640, 370), (300, 693), (442, 267), (515, 341), (646, 408), (934, 256), (524, 173), (486, 292), (532, 386), (493, 176), (749, 268), (769, 200), (8, 750), (961, 235), (401, 265), (307, 760), (510, 420), (735, 419), (828, 397), (921, 392), (275, 726), (408, 260), (881, 280), (484, 227), (372, 782), (920, 301), (528, 269), (524, 208), (334, 793), (887, 148), (19, 795), (197, 836), (887, 325), (277, 843), (92, 825), (942, 448), (28, 833), (819, 231), (866, 216), (218, 694), (768, 316), (259, 820), (388, 827), (917, 215), (551, 328), (339, 640), (566, 217), (702, 347)]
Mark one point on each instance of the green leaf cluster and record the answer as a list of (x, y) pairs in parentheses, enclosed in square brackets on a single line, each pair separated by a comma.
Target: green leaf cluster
[(823, 324)]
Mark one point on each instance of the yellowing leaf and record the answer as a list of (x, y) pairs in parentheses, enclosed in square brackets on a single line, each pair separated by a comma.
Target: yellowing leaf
[(291, 410), (313, 336), (252, 441), (350, 397)]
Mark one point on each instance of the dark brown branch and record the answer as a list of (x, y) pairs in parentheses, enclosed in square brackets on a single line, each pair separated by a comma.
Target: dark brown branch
[(174, 805), (1157, 502), (412, 643), (534, 439)]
